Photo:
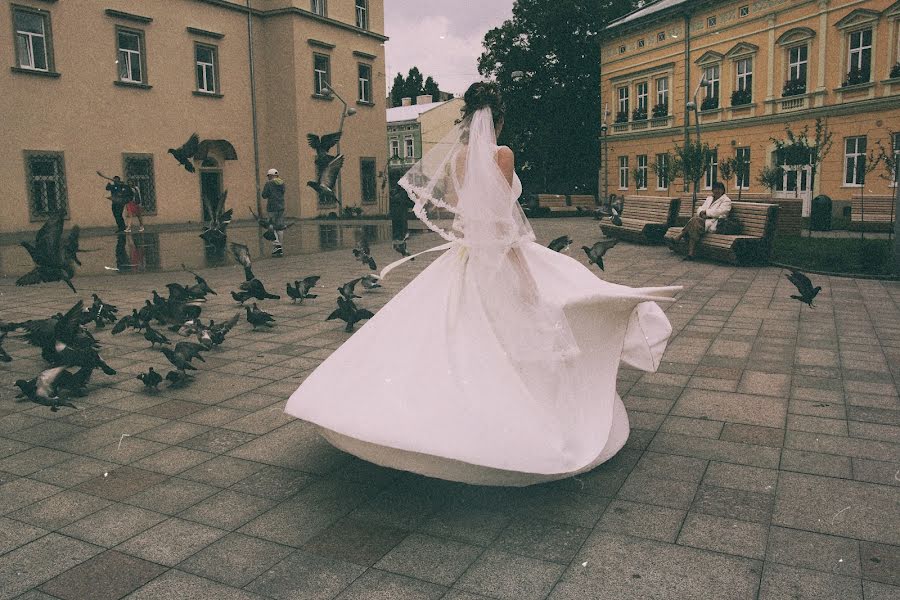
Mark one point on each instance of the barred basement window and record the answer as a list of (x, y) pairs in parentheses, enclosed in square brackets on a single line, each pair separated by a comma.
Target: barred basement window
[(139, 169), (367, 180), (46, 177)]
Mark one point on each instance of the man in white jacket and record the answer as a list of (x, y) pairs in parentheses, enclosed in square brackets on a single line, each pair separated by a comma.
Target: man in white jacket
[(716, 207)]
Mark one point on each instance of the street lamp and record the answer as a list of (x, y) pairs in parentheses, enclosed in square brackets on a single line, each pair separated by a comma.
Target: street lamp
[(693, 106), (347, 111)]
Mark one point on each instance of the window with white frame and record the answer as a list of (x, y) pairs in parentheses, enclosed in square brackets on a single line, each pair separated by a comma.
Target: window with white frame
[(395, 148), (623, 104), (362, 14), (131, 55), (207, 68), (855, 161), (798, 64), (712, 170), (642, 94), (33, 48), (859, 64), (318, 7), (321, 73), (662, 171), (742, 176), (365, 83), (641, 182), (662, 93), (410, 147), (744, 69), (46, 178), (623, 172), (711, 74)]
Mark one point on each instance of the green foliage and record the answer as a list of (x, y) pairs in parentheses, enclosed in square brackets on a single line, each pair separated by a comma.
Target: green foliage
[(691, 160), (835, 255), (728, 168), (554, 112), (771, 177), (888, 158), (413, 85), (667, 169)]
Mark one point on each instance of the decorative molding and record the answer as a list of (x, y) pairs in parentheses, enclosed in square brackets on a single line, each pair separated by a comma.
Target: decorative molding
[(893, 11), (857, 18), (709, 57), (742, 49), (320, 44), (52, 74), (658, 69), (796, 36), (366, 55), (118, 14), (203, 32)]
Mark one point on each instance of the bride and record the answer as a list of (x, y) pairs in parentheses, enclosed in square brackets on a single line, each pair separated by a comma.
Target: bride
[(497, 364)]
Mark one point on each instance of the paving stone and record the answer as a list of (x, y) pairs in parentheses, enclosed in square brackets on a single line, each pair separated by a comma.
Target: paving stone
[(219, 441), (671, 493), (32, 460), (843, 446), (177, 585), (467, 524), (296, 445), (544, 540), (275, 483), (666, 466), (172, 496), (378, 585), (431, 559), (816, 463), (875, 472), (359, 542), (879, 591), (14, 534), (563, 506), (23, 492), (642, 520), (113, 524), (305, 576), (864, 511), (107, 576), (235, 560), (814, 551), (765, 384), (58, 511), (226, 509), (753, 434), (629, 568), (880, 562), (498, 574), (127, 450), (121, 483), (171, 541), (174, 432), (222, 471), (780, 581), (733, 408), (733, 504), (724, 535), (690, 426), (173, 460), (741, 477), (40, 560), (817, 424)]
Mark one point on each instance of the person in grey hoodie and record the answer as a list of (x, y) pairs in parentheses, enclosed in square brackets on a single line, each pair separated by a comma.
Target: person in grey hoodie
[(273, 192)]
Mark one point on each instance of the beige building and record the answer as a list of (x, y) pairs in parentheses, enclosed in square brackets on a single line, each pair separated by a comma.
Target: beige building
[(414, 129), (767, 64), (110, 86)]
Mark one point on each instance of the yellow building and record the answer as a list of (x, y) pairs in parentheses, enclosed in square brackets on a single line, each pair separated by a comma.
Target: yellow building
[(110, 86), (768, 64)]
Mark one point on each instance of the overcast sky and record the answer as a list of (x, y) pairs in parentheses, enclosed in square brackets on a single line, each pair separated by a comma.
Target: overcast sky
[(441, 37)]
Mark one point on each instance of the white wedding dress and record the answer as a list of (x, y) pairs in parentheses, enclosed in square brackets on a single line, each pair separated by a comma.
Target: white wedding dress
[(497, 364)]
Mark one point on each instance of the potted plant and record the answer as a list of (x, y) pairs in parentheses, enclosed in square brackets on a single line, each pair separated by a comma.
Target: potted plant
[(639, 114), (621, 117), (856, 76), (741, 97), (793, 87), (661, 110), (710, 103), (895, 71)]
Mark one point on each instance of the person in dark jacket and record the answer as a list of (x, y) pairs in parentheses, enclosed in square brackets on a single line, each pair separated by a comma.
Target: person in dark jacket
[(120, 195), (273, 192)]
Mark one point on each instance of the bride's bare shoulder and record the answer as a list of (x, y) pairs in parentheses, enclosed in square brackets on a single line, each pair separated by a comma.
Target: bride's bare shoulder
[(506, 162)]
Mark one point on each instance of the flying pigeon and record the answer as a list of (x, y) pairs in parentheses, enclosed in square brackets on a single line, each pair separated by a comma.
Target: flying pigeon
[(348, 312), (560, 244), (803, 284), (186, 152), (53, 257), (595, 253)]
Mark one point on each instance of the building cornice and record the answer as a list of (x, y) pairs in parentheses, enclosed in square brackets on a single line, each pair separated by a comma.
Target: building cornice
[(642, 72), (125, 16)]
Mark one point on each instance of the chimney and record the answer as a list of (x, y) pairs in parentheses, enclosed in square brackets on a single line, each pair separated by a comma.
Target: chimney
[(426, 99), (405, 101)]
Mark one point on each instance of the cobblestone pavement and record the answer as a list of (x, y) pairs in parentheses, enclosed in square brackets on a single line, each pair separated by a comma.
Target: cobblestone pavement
[(764, 460)]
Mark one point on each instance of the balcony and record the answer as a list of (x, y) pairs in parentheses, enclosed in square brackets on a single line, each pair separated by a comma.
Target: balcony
[(795, 102)]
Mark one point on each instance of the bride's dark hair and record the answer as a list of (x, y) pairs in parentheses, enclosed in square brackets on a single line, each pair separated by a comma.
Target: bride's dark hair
[(483, 94)]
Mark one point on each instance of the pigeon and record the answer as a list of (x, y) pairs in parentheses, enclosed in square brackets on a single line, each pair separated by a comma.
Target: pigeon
[(595, 253), (370, 282), (190, 350), (132, 320), (74, 356), (186, 152), (803, 284), (257, 290), (560, 244), (155, 337), (180, 361), (301, 289), (241, 254), (613, 210), (326, 177), (43, 389), (151, 379), (241, 296), (346, 290), (177, 379), (215, 231), (4, 356), (218, 332), (180, 293), (201, 284), (53, 257), (257, 317), (348, 312), (400, 246), (362, 254), (205, 338), (100, 313)]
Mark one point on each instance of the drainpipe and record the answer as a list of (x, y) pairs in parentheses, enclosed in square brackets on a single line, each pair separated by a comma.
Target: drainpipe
[(687, 75), (253, 107)]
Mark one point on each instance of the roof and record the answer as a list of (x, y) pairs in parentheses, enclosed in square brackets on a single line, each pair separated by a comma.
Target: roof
[(649, 9), (410, 113)]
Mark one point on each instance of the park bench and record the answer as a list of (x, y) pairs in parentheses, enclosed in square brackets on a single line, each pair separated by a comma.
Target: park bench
[(582, 202), (872, 213), (754, 244), (645, 219), (552, 202)]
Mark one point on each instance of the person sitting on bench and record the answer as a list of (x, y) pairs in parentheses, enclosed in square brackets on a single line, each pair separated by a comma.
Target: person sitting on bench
[(716, 207)]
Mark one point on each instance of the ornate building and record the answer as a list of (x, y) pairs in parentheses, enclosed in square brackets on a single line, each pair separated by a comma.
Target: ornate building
[(764, 65), (110, 86)]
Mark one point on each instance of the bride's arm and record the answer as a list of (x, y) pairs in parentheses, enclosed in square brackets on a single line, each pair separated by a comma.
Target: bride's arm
[(507, 163)]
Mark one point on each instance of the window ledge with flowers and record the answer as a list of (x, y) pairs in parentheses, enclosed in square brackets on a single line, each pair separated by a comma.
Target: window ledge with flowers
[(709, 103), (741, 98), (621, 117), (639, 114), (857, 77), (793, 87)]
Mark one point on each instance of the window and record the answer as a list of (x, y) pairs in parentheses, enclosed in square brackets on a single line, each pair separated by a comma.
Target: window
[(662, 93), (711, 21), (641, 43), (743, 170), (662, 171), (661, 36), (139, 169), (622, 115), (641, 179), (321, 73), (745, 74), (318, 7), (130, 55), (33, 50), (46, 179), (410, 148), (362, 14), (711, 74), (798, 64), (623, 172), (642, 94), (207, 68), (365, 83), (712, 170), (855, 161), (621, 49), (368, 186), (395, 148), (744, 11), (859, 67)]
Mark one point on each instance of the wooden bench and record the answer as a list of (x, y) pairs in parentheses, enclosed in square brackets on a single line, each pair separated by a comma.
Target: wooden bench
[(754, 245), (552, 202), (872, 213), (583, 202), (645, 219)]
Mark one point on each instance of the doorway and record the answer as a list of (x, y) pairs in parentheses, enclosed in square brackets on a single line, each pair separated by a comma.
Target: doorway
[(210, 187)]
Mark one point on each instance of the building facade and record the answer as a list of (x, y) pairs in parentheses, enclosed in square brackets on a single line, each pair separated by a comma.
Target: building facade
[(765, 65), (111, 86), (414, 129)]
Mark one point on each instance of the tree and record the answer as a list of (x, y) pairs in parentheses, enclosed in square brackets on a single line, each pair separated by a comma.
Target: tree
[(414, 85), (398, 90), (553, 113), (891, 161), (771, 177), (870, 162), (691, 162), (665, 169), (799, 151), (431, 88)]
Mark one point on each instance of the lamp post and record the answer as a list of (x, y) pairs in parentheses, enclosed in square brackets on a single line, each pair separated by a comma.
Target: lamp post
[(346, 111), (693, 106)]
